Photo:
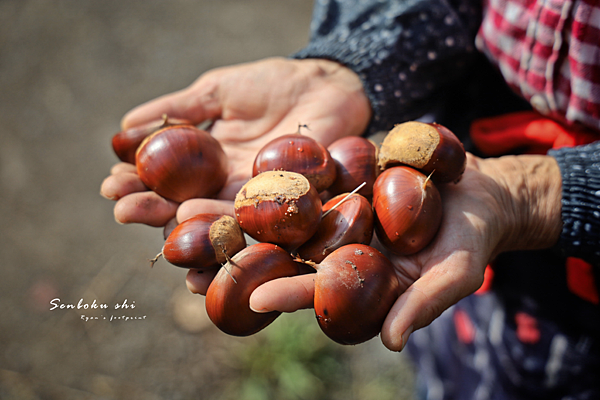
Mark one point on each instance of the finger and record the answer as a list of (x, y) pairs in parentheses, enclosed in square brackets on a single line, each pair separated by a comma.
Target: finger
[(231, 189), (193, 207), (123, 167), (198, 281), (120, 185), (196, 103), (284, 294), (145, 208), (169, 227), (430, 295)]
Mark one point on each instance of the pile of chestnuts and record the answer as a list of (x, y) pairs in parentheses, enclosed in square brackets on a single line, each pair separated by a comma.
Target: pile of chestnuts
[(305, 205)]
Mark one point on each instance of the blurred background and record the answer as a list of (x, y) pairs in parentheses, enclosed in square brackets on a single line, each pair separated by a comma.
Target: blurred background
[(69, 69)]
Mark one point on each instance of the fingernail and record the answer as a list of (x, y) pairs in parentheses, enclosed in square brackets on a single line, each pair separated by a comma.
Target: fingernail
[(261, 311), (108, 197), (405, 336), (191, 288)]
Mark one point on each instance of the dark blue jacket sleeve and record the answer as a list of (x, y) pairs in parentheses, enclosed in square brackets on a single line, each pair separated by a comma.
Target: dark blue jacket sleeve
[(403, 50), (580, 169)]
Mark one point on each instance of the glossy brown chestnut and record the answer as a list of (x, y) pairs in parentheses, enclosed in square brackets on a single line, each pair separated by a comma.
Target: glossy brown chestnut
[(182, 162), (408, 210), (356, 162), (126, 142), (279, 207), (355, 288), (431, 148), (350, 222), (228, 296), (297, 153), (204, 241)]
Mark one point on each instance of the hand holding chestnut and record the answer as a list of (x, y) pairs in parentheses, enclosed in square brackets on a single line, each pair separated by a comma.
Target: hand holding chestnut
[(483, 215), (249, 105), (480, 218)]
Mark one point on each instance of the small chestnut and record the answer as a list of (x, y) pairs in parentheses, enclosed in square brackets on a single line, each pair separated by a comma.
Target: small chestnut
[(204, 241), (355, 288), (182, 162), (228, 296), (126, 142), (408, 210), (297, 153), (356, 162), (429, 147), (279, 207), (350, 222)]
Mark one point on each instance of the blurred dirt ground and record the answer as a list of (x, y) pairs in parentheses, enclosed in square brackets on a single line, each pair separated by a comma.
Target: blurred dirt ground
[(68, 71)]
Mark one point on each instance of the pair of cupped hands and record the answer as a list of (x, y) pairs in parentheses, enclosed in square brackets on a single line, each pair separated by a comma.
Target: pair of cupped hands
[(500, 204)]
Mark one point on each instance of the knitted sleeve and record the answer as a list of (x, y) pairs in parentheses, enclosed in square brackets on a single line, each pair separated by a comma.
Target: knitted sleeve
[(403, 50), (580, 169)]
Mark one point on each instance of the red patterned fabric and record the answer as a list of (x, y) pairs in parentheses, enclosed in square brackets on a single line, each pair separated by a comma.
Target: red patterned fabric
[(488, 278), (527, 328), (580, 280), (525, 132), (549, 52), (464, 326)]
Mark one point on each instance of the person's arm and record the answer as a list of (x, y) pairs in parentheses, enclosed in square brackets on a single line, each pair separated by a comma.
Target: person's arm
[(403, 51)]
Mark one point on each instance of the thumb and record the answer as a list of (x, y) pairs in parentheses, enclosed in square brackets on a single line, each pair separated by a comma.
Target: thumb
[(196, 103), (284, 294), (425, 300)]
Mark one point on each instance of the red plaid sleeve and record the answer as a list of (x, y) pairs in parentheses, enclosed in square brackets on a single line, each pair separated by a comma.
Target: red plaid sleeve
[(549, 52)]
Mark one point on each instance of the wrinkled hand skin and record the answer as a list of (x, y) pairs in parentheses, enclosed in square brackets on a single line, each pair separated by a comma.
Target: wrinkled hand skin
[(249, 105), (508, 203)]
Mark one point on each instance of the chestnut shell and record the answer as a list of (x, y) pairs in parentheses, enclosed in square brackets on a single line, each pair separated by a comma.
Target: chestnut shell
[(350, 222), (202, 241), (126, 142), (429, 147), (279, 207), (297, 153), (182, 162), (356, 161), (408, 210), (355, 288), (228, 300)]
